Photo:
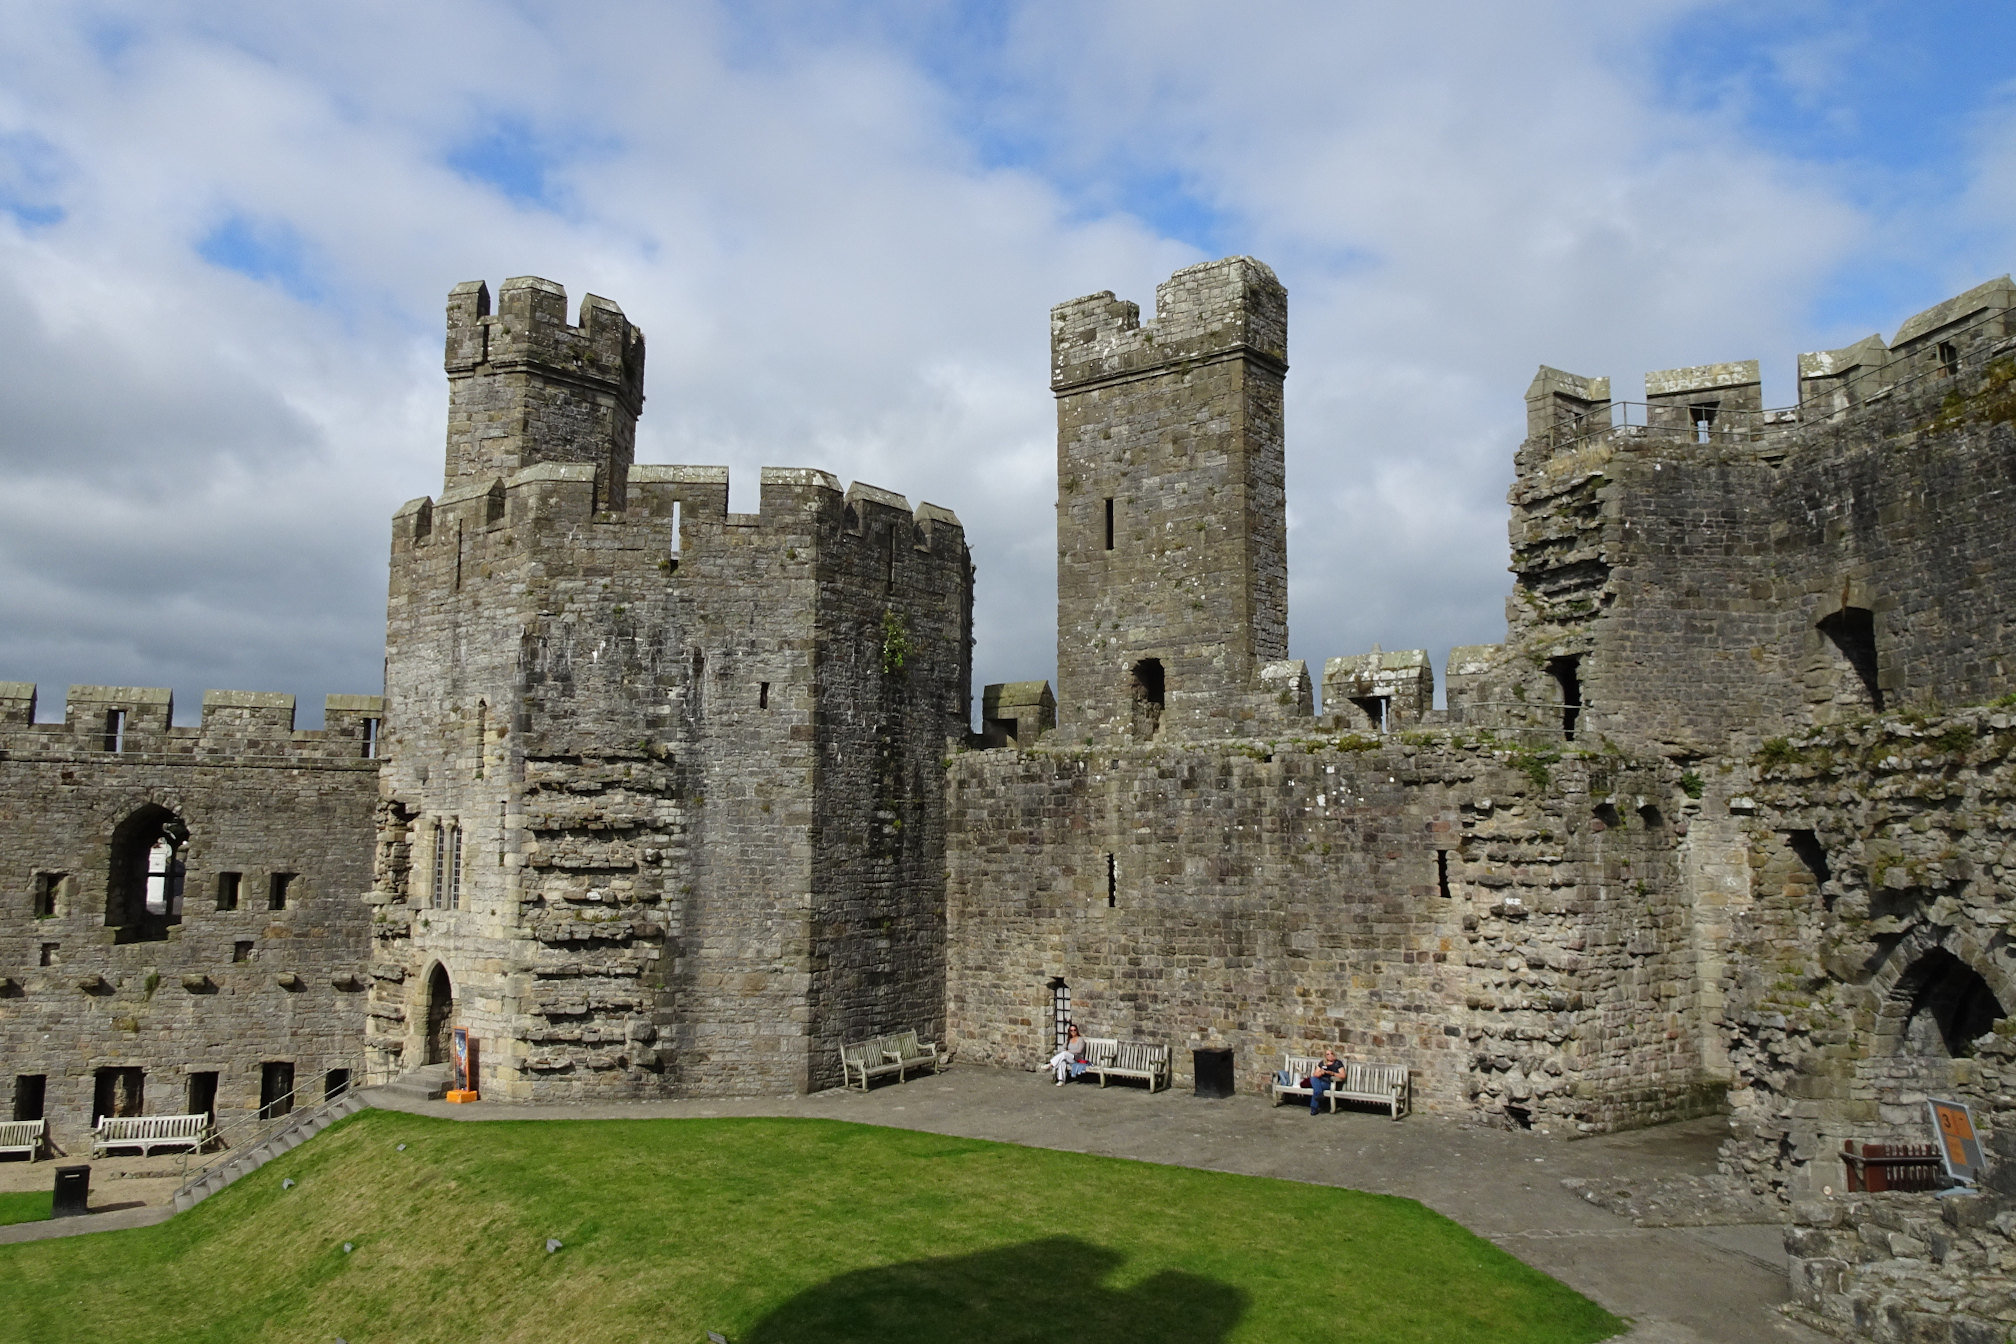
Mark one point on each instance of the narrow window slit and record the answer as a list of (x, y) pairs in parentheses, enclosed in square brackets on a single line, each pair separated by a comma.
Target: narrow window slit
[(1109, 523), (1442, 872)]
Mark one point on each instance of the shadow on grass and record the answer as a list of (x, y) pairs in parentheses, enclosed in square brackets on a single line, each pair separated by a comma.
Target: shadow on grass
[(1026, 1294)]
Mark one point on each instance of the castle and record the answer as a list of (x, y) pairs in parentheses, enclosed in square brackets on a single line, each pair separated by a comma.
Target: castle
[(666, 800)]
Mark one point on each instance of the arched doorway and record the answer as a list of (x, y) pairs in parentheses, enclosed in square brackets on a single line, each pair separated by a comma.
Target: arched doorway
[(143, 887), (1950, 1007), (440, 1016)]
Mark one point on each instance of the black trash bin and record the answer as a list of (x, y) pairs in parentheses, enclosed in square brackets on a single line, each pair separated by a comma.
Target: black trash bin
[(72, 1195), (1213, 1067)]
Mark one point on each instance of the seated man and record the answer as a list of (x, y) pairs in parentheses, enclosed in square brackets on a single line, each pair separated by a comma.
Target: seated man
[(1329, 1073)]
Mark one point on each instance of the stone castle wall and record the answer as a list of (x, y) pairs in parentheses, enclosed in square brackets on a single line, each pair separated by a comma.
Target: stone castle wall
[(1509, 925), (89, 981), (1706, 583)]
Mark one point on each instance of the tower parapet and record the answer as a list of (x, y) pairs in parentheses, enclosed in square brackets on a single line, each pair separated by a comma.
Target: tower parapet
[(525, 387)]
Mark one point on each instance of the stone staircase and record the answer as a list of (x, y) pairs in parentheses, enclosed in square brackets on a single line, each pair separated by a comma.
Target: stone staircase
[(426, 1083), (305, 1125)]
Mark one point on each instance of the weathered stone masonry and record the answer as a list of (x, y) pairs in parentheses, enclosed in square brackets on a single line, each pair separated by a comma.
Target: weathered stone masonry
[(1194, 856), (678, 799), (198, 1000), (688, 760), (1427, 902)]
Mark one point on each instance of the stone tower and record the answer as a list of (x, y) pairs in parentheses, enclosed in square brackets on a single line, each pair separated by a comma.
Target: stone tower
[(525, 388), (1172, 578), (663, 811)]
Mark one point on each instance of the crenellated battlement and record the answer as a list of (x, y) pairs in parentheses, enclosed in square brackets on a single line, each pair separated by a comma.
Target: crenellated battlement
[(135, 724), (1940, 351), (1219, 309), (525, 387), (503, 511), (529, 329)]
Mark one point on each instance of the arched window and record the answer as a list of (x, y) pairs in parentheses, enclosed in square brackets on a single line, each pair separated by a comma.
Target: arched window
[(143, 889), (439, 1016)]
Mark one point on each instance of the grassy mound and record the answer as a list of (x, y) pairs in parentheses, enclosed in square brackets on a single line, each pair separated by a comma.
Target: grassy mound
[(769, 1231)]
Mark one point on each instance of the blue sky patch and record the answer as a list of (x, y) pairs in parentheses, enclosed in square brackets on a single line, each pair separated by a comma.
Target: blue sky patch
[(507, 157), (31, 170), (269, 251)]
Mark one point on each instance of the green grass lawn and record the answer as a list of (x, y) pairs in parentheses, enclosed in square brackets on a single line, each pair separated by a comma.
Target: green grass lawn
[(29, 1207), (770, 1231)]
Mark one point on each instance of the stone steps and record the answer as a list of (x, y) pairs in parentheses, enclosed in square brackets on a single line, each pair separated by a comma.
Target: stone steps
[(245, 1163), (427, 1083)]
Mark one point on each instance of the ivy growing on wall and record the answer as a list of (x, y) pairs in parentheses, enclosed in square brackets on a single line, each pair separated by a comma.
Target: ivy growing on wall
[(895, 644)]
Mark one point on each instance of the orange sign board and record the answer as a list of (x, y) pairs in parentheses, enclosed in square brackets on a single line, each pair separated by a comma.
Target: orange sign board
[(1959, 1147)]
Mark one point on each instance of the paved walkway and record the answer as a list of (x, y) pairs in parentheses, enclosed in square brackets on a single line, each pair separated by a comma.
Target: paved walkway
[(1694, 1285)]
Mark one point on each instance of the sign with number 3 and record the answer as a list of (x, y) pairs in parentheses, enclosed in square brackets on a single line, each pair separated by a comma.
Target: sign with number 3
[(1959, 1148)]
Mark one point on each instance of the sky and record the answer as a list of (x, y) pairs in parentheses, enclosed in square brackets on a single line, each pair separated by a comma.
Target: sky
[(228, 230)]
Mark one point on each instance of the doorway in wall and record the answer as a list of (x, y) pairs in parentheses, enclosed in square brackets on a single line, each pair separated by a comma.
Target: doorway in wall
[(118, 1092), (440, 1015)]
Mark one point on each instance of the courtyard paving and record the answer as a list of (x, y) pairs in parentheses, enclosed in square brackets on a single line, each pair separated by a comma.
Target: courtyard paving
[(1717, 1284)]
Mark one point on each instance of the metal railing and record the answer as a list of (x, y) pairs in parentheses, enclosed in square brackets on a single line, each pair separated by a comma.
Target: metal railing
[(1872, 386), (227, 1143)]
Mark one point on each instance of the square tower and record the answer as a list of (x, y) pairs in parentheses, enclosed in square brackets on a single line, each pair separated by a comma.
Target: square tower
[(663, 811), (1172, 546)]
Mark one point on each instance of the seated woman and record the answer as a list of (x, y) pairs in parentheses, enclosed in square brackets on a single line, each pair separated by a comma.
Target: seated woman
[(1070, 1057)]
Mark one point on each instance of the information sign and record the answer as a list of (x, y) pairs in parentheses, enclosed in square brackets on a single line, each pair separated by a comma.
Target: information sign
[(1959, 1147)]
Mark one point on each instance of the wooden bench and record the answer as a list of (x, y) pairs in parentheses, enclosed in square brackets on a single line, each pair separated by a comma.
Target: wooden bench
[(1384, 1085), (24, 1136), (896, 1052), (148, 1132), (1108, 1057), (911, 1053)]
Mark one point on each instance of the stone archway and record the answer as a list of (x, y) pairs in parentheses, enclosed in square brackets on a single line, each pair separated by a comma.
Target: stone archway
[(437, 1017), (143, 880), (1947, 1005), (1936, 994)]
